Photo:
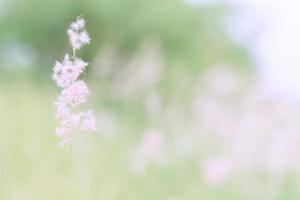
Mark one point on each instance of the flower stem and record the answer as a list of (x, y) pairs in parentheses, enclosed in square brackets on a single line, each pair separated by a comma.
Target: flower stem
[(74, 53)]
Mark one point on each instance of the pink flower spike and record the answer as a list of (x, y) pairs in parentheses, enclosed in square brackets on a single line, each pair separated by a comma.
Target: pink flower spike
[(77, 34), (74, 91)]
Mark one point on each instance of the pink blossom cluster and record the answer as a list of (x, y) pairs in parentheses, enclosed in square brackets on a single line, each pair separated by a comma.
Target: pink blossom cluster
[(78, 36), (217, 170), (74, 91)]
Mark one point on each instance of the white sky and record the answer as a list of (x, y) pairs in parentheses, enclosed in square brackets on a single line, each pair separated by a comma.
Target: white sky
[(271, 29)]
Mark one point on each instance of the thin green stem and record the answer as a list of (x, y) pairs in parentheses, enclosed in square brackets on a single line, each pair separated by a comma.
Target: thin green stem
[(74, 53)]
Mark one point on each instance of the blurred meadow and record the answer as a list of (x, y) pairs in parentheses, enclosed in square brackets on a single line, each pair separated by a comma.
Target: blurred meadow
[(180, 109)]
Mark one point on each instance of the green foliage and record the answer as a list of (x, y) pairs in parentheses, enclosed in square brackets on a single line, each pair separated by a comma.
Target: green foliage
[(193, 36)]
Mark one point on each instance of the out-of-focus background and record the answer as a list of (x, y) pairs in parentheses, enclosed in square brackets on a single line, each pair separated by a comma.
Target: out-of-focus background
[(194, 99)]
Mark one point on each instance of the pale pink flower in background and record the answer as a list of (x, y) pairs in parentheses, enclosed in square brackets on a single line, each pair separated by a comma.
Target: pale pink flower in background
[(248, 123), (74, 92), (149, 151), (216, 171), (152, 143)]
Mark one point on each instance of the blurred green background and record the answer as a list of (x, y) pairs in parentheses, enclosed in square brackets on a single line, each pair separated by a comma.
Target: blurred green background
[(193, 36), (146, 59)]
